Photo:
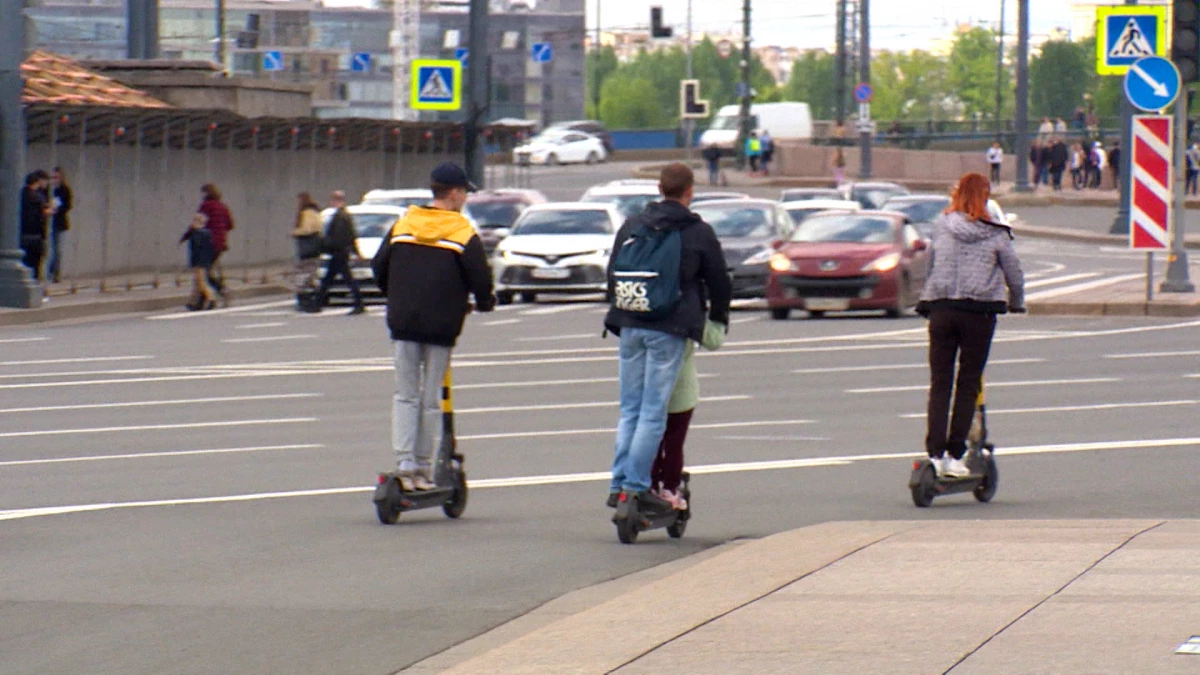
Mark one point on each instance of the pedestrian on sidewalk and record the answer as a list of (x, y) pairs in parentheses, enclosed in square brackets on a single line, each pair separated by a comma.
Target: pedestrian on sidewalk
[(341, 243), (768, 151), (1100, 163), (995, 157), (201, 254), (219, 222), (712, 158), (652, 346), (753, 151), (35, 212), (1114, 163), (429, 266), (306, 235), (1036, 161), (1045, 129), (1056, 159), (1077, 165), (971, 262), (1193, 168), (61, 200), (838, 165), (1060, 126)]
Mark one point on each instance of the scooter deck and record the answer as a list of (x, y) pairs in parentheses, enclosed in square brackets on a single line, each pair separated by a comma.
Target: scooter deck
[(412, 500)]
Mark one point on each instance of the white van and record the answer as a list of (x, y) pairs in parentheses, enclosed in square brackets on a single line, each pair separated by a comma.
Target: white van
[(786, 121)]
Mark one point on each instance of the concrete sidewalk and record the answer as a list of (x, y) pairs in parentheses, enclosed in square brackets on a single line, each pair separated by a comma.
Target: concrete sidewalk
[(1121, 296), (1091, 596)]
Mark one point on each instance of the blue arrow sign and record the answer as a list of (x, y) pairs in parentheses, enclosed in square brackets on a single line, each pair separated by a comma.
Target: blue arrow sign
[(272, 61), (1152, 83), (461, 54), (360, 62), (541, 52), (862, 93)]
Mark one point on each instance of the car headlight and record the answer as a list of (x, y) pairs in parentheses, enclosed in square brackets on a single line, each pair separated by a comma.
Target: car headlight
[(884, 263), (781, 263), (761, 258)]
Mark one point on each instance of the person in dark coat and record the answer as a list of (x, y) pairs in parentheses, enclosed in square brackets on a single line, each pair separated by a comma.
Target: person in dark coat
[(341, 242), (220, 223), (35, 211), (1056, 159), (1037, 161), (200, 258), (62, 202)]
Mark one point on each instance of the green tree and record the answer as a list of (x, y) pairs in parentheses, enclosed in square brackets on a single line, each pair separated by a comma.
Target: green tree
[(625, 105), (972, 71), (598, 65), (1059, 77), (812, 81)]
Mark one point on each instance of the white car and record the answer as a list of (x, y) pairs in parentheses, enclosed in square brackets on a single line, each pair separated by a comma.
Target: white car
[(556, 248), (410, 197), (629, 196), (803, 209), (372, 223), (561, 146)]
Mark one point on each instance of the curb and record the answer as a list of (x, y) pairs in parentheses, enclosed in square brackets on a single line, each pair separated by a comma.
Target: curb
[(1151, 309), (105, 307), (1082, 237)]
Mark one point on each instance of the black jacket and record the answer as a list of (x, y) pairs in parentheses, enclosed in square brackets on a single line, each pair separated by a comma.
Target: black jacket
[(340, 237), (33, 214), (61, 221), (430, 262), (703, 276), (1056, 157)]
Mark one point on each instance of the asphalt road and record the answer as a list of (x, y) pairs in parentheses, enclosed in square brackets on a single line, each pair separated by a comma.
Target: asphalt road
[(190, 493)]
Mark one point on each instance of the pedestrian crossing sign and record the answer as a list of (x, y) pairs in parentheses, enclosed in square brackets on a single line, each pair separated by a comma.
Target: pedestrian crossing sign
[(1126, 33), (436, 84)]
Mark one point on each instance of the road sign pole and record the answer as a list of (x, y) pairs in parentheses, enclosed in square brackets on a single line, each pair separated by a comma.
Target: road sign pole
[(864, 140), (1022, 100), (1177, 260), (476, 90), (1121, 223), (1149, 276)]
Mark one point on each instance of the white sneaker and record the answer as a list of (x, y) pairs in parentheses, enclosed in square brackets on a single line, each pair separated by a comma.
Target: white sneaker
[(939, 465), (955, 468), (421, 482), (406, 480)]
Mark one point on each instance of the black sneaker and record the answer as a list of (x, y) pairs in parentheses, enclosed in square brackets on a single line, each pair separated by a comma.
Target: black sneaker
[(357, 310), (612, 500)]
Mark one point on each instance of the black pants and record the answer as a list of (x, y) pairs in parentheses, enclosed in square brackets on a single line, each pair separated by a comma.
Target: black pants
[(1191, 182), (995, 174), (339, 266), (216, 278), (1056, 178), (965, 337), (34, 249)]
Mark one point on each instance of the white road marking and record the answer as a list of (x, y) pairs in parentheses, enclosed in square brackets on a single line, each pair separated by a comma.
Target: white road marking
[(1085, 286), (555, 309), (6, 341), (255, 326), (599, 476), (220, 312), (1077, 408), (774, 438), (989, 385), (157, 427), (1151, 355), (748, 319), (502, 322), (1051, 268), (578, 406), (586, 432), (1061, 280), (901, 366), (168, 453), (549, 383), (82, 359), (168, 402), (552, 338), (274, 338)]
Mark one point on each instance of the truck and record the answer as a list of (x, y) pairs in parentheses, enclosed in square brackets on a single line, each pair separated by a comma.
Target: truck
[(786, 121)]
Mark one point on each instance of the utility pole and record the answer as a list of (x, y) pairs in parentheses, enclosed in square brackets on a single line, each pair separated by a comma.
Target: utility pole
[(865, 136), (1121, 222), (1177, 280), (477, 88), (219, 52), (406, 47), (17, 288), (141, 29), (689, 124), (1022, 102), (839, 78), (1000, 72), (596, 64), (745, 122)]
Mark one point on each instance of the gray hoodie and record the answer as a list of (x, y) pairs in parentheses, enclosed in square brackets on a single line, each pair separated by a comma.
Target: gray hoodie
[(971, 262)]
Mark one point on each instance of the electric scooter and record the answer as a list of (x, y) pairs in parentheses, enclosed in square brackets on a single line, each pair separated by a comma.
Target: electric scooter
[(925, 484), (391, 499), (630, 519)]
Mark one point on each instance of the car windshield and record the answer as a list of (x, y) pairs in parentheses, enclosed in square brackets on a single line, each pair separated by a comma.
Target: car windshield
[(496, 214), (799, 215), (805, 195), (918, 212), (737, 221), (873, 198), (848, 228), (404, 202), (726, 122), (565, 222), (373, 224), (628, 205)]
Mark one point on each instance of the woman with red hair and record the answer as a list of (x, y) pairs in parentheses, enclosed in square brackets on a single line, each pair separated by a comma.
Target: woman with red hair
[(974, 275)]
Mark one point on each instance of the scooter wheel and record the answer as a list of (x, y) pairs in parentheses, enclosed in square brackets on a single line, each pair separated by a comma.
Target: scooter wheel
[(387, 508), (627, 529), (991, 478), (457, 503), (676, 531), (924, 489)]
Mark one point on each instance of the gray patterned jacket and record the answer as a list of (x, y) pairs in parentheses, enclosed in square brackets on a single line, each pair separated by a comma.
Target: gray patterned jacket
[(973, 261)]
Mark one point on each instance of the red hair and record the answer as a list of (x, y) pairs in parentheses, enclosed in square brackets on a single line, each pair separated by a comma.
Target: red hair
[(970, 196)]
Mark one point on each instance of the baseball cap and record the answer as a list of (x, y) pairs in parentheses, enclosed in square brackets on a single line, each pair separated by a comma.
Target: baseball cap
[(451, 175)]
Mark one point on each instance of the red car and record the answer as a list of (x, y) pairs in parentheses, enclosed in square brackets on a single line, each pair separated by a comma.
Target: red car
[(846, 260)]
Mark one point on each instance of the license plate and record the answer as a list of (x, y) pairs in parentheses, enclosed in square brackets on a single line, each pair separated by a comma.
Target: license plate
[(550, 273), (827, 304)]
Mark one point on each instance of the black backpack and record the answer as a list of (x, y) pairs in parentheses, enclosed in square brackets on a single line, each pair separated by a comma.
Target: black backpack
[(646, 274)]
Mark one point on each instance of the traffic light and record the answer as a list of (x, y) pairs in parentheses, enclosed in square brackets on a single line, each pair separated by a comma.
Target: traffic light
[(657, 29), (1185, 39), (690, 105)]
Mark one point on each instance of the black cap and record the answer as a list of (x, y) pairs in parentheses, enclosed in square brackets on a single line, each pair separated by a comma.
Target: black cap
[(451, 175)]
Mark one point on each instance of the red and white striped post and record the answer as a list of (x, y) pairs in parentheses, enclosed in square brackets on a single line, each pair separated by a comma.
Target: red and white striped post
[(1151, 212)]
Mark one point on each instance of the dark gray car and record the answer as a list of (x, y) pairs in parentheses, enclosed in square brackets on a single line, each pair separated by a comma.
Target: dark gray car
[(921, 210), (749, 231)]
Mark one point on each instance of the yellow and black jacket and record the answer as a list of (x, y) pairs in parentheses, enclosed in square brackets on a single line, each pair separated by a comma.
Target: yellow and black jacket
[(430, 263)]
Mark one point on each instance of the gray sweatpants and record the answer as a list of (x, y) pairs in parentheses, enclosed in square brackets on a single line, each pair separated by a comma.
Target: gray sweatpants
[(416, 407)]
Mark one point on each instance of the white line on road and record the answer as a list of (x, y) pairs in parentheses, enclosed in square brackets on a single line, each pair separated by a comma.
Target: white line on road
[(902, 366), (585, 432), (598, 476), (82, 359), (578, 406), (774, 438), (1151, 355), (989, 385), (220, 312), (747, 319), (255, 326), (1085, 286), (1060, 280), (274, 338), (28, 339), (1078, 408), (157, 427), (559, 309), (552, 338), (168, 453), (148, 404), (501, 322)]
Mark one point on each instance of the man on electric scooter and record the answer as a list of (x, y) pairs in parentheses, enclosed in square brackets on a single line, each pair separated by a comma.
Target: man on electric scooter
[(655, 310), (431, 262), (971, 261)]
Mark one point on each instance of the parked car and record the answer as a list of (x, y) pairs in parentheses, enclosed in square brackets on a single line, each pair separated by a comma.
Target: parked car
[(410, 197), (629, 196), (591, 128), (372, 224), (922, 210), (717, 196), (497, 210), (872, 195), (748, 230), (560, 146), (556, 248), (843, 261), (799, 211), (801, 194)]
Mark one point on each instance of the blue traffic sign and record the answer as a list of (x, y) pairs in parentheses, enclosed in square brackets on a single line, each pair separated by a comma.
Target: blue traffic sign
[(1152, 83), (1127, 33), (436, 85), (272, 61), (862, 93), (541, 52), (360, 62), (461, 54)]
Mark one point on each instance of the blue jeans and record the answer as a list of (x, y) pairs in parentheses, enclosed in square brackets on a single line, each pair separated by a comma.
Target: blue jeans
[(649, 366)]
